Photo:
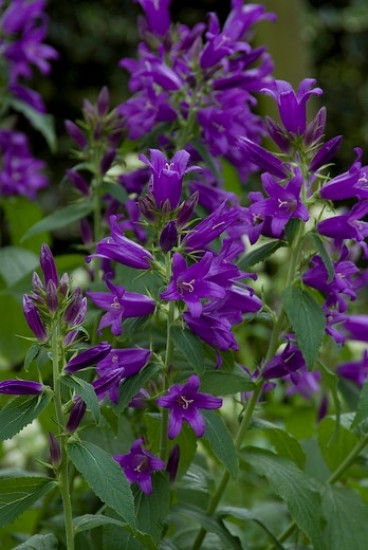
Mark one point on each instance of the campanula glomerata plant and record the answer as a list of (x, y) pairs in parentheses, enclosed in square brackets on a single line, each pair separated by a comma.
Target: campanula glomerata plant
[(196, 367)]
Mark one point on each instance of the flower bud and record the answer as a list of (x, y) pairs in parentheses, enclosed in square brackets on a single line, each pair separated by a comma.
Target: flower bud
[(76, 414), (55, 451), (173, 463), (168, 237), (103, 101), (64, 284), (86, 231), (147, 208), (20, 387), (76, 134), (74, 307), (78, 181), (326, 153), (37, 284), (51, 297), (107, 161), (187, 209), (33, 319), (88, 357), (48, 266)]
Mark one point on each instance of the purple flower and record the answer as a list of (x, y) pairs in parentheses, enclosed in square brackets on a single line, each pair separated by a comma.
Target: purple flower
[(120, 304), (262, 158), (121, 249), (307, 383), (190, 283), (118, 365), (157, 15), (326, 153), (20, 387), (48, 266), (353, 183), (76, 414), (139, 464), (33, 319), (357, 327), (356, 371), (291, 105), (88, 357), (76, 134), (348, 226), (167, 177), (168, 237), (184, 402), (55, 451), (173, 463), (285, 363), (213, 329)]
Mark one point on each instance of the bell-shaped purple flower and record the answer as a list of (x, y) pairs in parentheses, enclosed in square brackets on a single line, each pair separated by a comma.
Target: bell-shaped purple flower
[(357, 371), (121, 249), (139, 464), (184, 402), (357, 327), (262, 158), (348, 226), (20, 387), (288, 362), (88, 357), (157, 15), (353, 183)]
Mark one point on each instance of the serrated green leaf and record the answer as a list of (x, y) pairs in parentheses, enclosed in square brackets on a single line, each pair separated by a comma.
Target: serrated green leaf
[(31, 355), (104, 476), (87, 393), (219, 382), (292, 485), (60, 218), (218, 436), (346, 514), (48, 541), (152, 509), (259, 254), (285, 444), (20, 412), (211, 524), (133, 384), (335, 444), (15, 262), (362, 409), (44, 123), (17, 494), (325, 257), (190, 346), (307, 320)]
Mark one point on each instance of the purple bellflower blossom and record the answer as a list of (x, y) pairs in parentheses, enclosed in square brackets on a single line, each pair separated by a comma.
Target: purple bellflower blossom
[(118, 365), (21, 387), (121, 249), (262, 158), (357, 371), (157, 16), (190, 283), (184, 402), (120, 304), (88, 358), (139, 464), (288, 362), (291, 105), (353, 183), (213, 329), (356, 326)]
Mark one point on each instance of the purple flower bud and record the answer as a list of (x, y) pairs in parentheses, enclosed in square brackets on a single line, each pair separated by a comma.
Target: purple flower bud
[(86, 231), (51, 296), (173, 463), (97, 132), (262, 158), (55, 451), (76, 134), (168, 237), (326, 153), (37, 284), (107, 161), (74, 307), (88, 357), (157, 16), (64, 284), (187, 209), (48, 266), (103, 101), (33, 319), (147, 207), (20, 387), (78, 181), (76, 414), (88, 111), (277, 135), (316, 128)]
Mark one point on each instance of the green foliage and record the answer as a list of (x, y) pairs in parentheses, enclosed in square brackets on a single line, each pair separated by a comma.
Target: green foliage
[(221, 441), (190, 346), (104, 476), (47, 541), (87, 393), (20, 412), (307, 320), (17, 494), (60, 218), (260, 254), (335, 444)]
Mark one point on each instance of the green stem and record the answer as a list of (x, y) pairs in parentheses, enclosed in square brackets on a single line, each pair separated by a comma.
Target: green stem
[(272, 348), (63, 471)]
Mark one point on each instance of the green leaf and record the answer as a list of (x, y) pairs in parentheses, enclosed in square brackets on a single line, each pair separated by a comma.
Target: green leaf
[(335, 444), (47, 541), (91, 521), (44, 123), (218, 436), (60, 218), (220, 382), (17, 494), (190, 346), (325, 257), (20, 214), (104, 476), (259, 254), (346, 514), (133, 384), (292, 485), (286, 445), (291, 229), (152, 509), (31, 355), (87, 393), (15, 262), (211, 524), (115, 190), (307, 320), (362, 409), (20, 412)]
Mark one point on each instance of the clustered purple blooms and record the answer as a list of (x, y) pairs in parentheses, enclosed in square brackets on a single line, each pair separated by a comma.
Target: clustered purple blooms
[(184, 402), (167, 81)]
